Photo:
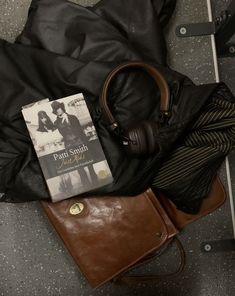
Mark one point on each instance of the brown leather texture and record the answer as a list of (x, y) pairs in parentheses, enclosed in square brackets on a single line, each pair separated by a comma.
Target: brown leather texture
[(214, 200), (111, 234), (152, 71)]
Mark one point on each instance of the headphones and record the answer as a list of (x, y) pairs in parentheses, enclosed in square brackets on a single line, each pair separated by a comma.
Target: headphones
[(140, 140)]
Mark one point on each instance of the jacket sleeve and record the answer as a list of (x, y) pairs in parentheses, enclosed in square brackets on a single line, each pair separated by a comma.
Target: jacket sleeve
[(141, 22), (129, 30)]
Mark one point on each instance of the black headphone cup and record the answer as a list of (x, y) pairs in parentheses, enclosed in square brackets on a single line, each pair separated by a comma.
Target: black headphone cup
[(133, 140), (151, 140), (142, 140)]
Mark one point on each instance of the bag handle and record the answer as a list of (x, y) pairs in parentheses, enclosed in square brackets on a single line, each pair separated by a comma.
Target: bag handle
[(134, 279)]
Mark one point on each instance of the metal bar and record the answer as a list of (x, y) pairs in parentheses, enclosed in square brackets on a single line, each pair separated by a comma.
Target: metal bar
[(221, 245), (227, 165), (215, 60), (230, 195)]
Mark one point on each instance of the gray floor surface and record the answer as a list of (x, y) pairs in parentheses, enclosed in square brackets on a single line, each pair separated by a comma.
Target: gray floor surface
[(33, 260)]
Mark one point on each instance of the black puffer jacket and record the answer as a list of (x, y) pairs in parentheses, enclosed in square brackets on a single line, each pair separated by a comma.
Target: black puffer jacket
[(65, 49)]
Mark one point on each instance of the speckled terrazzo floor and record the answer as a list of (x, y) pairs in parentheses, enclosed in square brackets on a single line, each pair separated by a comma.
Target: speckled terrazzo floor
[(33, 261)]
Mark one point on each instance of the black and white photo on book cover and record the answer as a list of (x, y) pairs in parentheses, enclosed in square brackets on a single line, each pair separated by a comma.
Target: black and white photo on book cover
[(67, 146)]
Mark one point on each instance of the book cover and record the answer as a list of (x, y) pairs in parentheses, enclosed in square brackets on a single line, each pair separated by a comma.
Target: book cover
[(67, 146)]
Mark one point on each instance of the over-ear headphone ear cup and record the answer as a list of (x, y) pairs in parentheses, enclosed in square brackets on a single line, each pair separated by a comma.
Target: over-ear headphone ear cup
[(142, 140), (137, 143), (150, 129)]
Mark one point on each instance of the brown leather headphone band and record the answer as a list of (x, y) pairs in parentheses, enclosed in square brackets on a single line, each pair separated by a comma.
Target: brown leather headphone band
[(153, 72)]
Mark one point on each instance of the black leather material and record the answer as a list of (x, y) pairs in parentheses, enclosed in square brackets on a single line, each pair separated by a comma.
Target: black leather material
[(87, 43)]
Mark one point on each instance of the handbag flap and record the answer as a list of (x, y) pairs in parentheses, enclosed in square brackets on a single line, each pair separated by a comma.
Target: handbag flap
[(109, 234), (214, 200)]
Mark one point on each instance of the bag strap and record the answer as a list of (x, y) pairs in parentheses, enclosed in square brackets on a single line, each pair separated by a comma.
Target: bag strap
[(134, 279)]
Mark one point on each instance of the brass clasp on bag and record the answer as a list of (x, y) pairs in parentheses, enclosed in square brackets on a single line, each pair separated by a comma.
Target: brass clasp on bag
[(76, 208)]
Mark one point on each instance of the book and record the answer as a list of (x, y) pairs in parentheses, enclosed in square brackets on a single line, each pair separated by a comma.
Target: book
[(67, 146)]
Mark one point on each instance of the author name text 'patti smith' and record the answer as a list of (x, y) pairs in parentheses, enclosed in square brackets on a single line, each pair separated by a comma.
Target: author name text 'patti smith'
[(69, 152)]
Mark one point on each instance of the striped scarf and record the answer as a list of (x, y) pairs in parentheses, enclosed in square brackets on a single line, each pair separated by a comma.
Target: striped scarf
[(186, 175)]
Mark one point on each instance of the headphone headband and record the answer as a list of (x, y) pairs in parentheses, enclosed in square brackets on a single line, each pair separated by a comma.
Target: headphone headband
[(152, 71)]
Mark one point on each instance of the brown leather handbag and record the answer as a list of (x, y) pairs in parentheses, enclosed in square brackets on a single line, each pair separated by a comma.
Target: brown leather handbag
[(108, 236)]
